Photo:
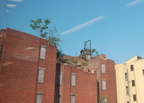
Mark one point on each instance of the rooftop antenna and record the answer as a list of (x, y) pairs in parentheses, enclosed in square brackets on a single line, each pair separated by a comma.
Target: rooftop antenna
[(86, 52), (86, 43)]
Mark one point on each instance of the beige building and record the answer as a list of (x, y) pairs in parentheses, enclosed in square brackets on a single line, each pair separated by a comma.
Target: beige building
[(130, 81)]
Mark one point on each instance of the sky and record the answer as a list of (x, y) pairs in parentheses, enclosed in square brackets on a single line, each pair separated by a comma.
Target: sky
[(115, 27)]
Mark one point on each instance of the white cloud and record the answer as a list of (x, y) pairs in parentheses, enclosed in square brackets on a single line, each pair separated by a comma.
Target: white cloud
[(134, 3), (17, 0), (11, 5), (83, 25)]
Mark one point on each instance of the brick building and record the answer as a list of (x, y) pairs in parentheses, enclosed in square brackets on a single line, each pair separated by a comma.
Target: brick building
[(75, 86), (28, 73), (102, 69), (27, 68), (106, 77)]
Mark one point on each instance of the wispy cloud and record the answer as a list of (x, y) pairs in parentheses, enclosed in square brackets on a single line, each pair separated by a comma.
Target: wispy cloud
[(134, 3), (17, 0), (11, 5), (83, 25)]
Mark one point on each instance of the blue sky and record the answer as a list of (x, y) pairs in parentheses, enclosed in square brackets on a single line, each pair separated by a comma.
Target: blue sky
[(115, 27)]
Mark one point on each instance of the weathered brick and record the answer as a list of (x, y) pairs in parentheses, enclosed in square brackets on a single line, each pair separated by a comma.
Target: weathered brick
[(19, 68)]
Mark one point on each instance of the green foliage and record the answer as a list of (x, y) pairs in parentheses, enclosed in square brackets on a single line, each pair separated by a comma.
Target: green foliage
[(94, 52), (101, 100), (45, 32), (63, 60), (84, 64), (54, 40), (60, 57), (60, 53), (73, 61)]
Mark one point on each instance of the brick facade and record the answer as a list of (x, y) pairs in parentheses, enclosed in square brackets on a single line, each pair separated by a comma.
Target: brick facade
[(109, 76), (85, 90), (19, 68)]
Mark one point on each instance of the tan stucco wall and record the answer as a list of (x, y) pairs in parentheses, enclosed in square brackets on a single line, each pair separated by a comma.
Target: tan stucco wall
[(136, 75)]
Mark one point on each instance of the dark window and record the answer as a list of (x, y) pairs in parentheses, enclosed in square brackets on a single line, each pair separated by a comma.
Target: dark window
[(131, 67), (143, 71), (134, 97), (127, 101), (126, 76), (133, 83), (127, 90)]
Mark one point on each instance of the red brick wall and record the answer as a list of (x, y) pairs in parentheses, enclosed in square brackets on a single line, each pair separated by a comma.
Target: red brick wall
[(109, 76), (48, 87), (85, 90), (19, 69)]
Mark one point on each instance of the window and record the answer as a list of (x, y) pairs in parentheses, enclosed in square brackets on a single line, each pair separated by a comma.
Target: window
[(126, 76), (127, 90), (134, 97), (61, 78), (39, 98), (143, 71), (72, 98), (103, 68), (131, 67), (41, 75), (103, 85), (43, 52), (133, 82), (73, 79), (105, 100)]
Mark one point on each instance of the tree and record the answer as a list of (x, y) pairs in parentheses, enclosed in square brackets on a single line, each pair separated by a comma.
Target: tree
[(45, 32), (49, 34)]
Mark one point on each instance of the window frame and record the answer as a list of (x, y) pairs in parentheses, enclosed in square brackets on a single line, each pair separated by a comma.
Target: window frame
[(134, 97), (41, 76), (104, 85), (132, 67), (39, 96), (43, 56), (103, 68), (73, 95), (127, 90), (126, 76), (105, 99), (73, 79), (133, 83)]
